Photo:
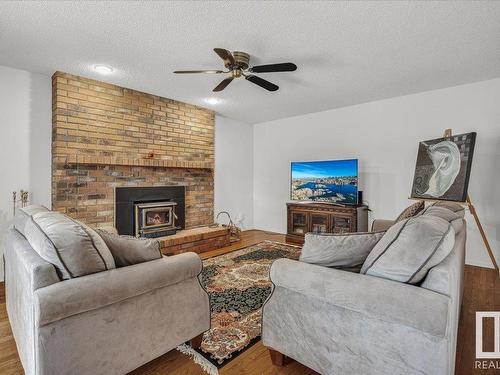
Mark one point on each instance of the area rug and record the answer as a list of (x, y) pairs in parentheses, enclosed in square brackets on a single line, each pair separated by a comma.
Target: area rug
[(238, 285)]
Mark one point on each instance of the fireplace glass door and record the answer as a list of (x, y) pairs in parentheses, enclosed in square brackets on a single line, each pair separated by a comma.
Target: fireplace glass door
[(154, 219)]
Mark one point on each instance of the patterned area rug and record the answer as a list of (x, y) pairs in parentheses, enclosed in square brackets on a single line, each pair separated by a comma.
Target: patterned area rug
[(238, 284)]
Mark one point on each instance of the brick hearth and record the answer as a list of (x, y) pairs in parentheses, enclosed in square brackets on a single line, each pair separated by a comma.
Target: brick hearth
[(198, 240)]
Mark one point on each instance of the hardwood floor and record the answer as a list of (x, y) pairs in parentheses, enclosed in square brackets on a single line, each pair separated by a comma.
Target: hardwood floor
[(481, 293)]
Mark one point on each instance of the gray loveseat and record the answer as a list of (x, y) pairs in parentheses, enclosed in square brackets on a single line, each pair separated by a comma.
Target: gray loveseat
[(109, 322), (339, 322)]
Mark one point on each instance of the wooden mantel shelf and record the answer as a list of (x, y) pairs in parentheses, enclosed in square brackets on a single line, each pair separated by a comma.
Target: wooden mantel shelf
[(103, 160)]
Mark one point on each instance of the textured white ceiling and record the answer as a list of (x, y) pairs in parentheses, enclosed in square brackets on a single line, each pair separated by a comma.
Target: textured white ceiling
[(347, 52)]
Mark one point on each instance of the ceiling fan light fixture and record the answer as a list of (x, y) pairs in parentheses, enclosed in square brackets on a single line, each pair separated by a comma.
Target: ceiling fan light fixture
[(237, 64)]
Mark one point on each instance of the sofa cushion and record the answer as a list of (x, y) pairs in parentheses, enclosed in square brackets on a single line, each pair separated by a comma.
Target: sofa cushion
[(381, 225), (453, 206), (347, 251), (411, 211), (128, 250), (72, 247), (410, 248), (442, 212), (23, 215)]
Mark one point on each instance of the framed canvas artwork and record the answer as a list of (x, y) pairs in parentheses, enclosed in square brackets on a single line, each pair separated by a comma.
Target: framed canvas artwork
[(443, 168)]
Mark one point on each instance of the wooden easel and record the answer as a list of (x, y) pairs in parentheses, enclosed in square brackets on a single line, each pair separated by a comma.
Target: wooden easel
[(473, 212)]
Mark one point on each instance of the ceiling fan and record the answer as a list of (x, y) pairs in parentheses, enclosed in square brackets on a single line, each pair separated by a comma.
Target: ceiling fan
[(237, 64)]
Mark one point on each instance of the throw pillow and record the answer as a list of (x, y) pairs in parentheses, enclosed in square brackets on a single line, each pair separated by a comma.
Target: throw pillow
[(347, 251), (72, 247), (109, 229), (23, 215), (128, 250), (410, 248), (453, 206), (410, 211), (443, 213)]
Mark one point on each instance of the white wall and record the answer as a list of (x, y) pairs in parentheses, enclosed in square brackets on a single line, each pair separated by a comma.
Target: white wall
[(234, 170), (384, 136), (25, 140)]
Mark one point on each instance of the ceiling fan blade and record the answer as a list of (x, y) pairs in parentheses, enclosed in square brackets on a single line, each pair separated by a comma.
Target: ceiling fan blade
[(221, 86), (262, 83), (198, 71), (283, 67), (225, 55)]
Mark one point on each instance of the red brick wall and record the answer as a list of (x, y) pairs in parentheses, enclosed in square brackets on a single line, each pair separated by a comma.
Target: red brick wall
[(103, 137)]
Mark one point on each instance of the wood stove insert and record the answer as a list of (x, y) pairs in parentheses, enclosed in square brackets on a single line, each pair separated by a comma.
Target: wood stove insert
[(149, 211)]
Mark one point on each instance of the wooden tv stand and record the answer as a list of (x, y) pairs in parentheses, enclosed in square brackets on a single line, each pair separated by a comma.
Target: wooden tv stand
[(305, 217)]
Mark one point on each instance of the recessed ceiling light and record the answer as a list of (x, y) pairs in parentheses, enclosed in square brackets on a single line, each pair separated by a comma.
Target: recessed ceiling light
[(212, 101), (103, 69)]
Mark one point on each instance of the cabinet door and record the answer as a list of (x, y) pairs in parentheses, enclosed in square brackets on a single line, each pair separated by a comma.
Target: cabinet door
[(319, 223), (299, 222), (340, 224)]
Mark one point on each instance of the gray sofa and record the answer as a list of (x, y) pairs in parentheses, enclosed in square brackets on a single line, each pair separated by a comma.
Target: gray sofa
[(339, 322), (109, 322)]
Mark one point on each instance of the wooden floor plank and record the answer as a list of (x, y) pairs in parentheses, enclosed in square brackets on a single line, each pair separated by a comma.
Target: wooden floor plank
[(481, 293)]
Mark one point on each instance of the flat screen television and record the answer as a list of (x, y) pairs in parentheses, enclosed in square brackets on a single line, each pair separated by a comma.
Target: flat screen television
[(329, 181)]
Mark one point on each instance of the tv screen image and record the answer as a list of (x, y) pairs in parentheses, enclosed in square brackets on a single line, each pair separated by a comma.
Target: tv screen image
[(331, 181)]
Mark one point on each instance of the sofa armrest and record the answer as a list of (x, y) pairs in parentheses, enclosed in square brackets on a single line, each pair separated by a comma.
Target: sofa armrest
[(23, 262), (381, 225), (86, 293), (374, 297)]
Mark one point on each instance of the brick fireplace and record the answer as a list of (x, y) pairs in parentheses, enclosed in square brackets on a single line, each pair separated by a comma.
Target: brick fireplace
[(106, 136)]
